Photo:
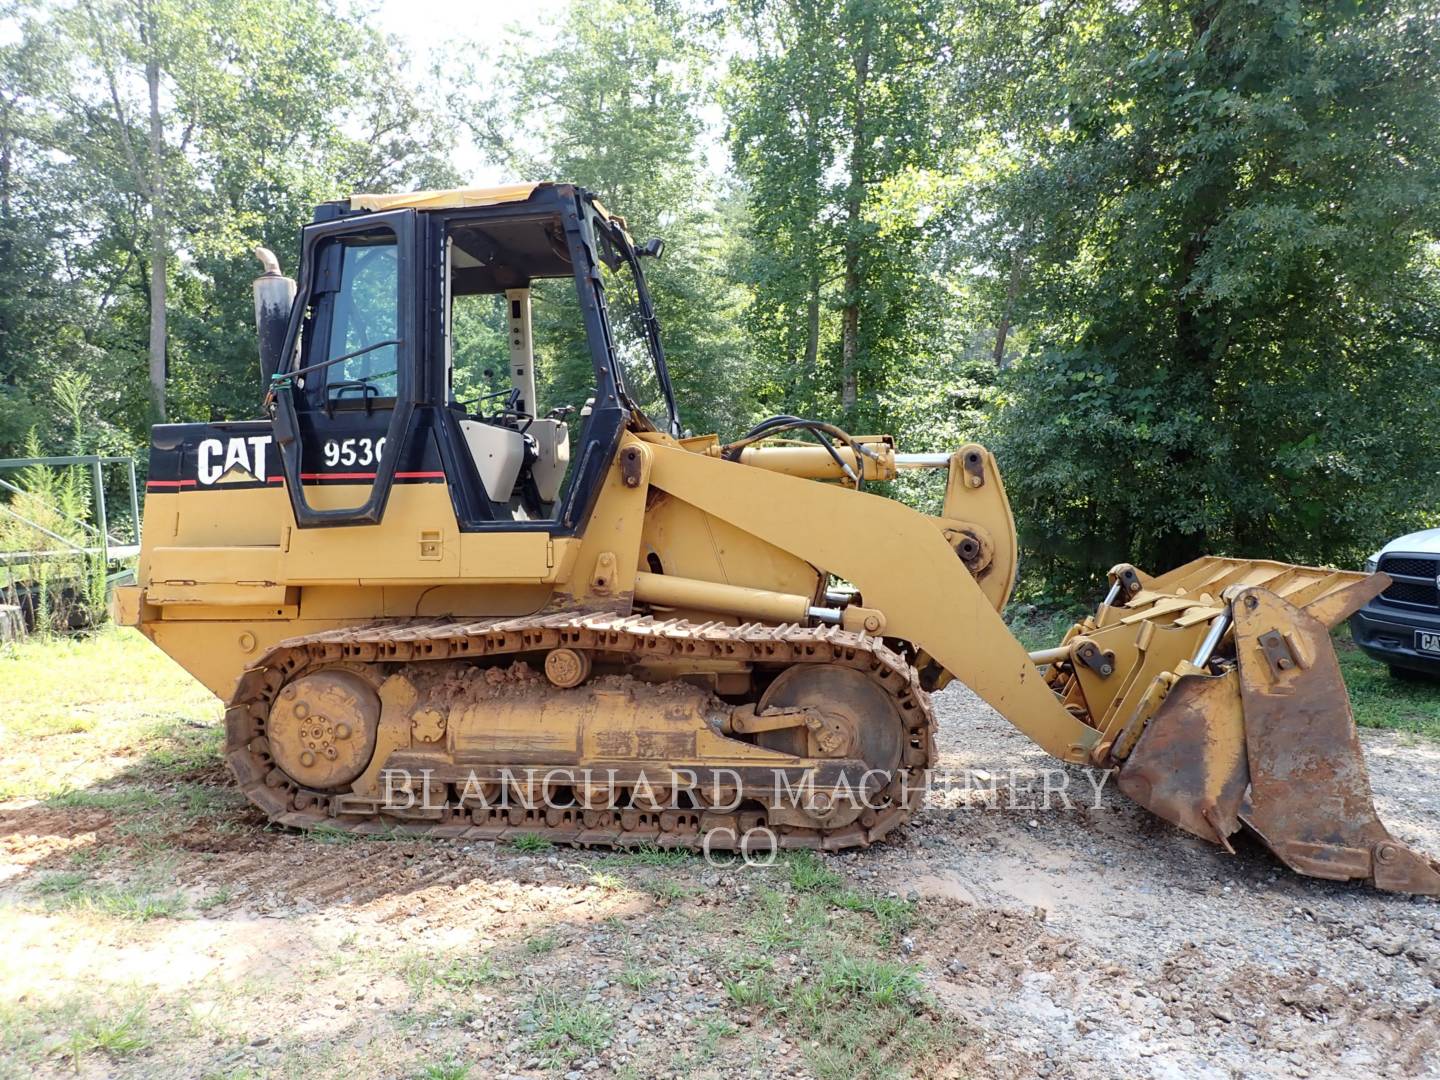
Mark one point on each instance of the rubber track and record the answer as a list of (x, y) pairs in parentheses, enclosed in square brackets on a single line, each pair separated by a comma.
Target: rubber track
[(630, 636)]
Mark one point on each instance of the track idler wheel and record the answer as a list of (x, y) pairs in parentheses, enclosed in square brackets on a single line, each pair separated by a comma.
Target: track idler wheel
[(322, 728), (850, 717)]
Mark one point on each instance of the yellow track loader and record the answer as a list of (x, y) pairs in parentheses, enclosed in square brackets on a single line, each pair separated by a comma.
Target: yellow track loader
[(445, 592)]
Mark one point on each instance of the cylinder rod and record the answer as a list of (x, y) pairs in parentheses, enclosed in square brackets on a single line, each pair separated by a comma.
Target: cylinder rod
[(1218, 626), (816, 463), (922, 461), (1050, 656), (667, 590)]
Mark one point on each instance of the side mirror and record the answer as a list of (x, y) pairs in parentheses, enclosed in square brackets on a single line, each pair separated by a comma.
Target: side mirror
[(274, 296), (652, 248)]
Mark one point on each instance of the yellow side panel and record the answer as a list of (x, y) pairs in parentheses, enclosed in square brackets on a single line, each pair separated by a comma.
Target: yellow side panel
[(505, 556), (690, 543), (168, 593), (417, 541), (251, 565), (242, 517)]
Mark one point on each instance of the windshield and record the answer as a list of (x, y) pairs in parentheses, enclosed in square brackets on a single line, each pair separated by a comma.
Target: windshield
[(637, 349)]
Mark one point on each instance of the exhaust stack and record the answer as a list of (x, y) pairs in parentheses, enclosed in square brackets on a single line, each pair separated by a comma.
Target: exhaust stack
[(274, 296)]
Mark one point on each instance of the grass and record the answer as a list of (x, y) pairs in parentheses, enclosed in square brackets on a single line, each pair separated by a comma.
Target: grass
[(114, 1036), (456, 972), (893, 916), (138, 901), (852, 1009), (661, 885), (539, 944), (634, 977), (651, 855), (606, 881), (711, 1034), (329, 834), (753, 989), (876, 981), (219, 898), (148, 812), (1380, 700), (452, 1068), (808, 873), (72, 1028), (75, 712), (529, 842), (565, 1029), (664, 889)]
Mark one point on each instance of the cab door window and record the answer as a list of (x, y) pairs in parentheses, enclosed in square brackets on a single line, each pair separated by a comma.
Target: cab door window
[(363, 326)]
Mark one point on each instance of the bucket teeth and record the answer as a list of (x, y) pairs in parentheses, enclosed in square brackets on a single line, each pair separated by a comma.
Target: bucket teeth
[(1271, 744), (1310, 797)]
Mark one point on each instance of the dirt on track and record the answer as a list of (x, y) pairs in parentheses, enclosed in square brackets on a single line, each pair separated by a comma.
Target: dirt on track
[(1071, 942)]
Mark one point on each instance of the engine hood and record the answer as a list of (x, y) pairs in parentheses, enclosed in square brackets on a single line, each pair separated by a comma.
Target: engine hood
[(1426, 541)]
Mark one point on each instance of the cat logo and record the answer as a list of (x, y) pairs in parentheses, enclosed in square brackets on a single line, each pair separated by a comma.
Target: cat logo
[(232, 460)]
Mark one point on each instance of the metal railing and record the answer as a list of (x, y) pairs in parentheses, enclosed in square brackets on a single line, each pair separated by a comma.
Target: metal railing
[(98, 540)]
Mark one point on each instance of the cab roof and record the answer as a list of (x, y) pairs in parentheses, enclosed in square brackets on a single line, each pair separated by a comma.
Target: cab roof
[(451, 198), (445, 199)]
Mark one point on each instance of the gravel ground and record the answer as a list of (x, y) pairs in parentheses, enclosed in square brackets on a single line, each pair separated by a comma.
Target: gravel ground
[(1178, 959), (1081, 942)]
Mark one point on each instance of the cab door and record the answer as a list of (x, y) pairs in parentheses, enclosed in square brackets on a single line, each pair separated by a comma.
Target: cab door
[(344, 408)]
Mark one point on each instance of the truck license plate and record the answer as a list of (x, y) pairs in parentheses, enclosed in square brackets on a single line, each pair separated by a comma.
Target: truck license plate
[(1427, 642)]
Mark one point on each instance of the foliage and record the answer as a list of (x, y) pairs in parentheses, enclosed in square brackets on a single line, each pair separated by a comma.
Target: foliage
[(48, 517), (610, 100), (1176, 263), (1225, 214), (839, 117)]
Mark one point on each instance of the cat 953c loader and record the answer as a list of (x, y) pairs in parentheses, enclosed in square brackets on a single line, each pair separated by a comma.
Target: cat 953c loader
[(453, 587)]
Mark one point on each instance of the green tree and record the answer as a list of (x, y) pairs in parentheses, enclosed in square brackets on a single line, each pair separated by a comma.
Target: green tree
[(1224, 219), (838, 122), (611, 101), (32, 290), (130, 242)]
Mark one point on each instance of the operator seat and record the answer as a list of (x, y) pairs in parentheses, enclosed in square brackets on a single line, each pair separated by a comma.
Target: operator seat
[(498, 453), (552, 458)]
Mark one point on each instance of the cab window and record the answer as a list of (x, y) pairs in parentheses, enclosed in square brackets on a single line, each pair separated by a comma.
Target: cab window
[(362, 275)]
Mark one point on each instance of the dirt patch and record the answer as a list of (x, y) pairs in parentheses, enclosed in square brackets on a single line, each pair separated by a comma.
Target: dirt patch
[(1162, 955), (989, 938)]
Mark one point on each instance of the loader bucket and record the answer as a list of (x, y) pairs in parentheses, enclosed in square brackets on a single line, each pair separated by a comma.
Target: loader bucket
[(1260, 734)]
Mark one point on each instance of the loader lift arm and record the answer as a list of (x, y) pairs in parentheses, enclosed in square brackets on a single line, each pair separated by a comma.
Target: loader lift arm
[(1261, 737)]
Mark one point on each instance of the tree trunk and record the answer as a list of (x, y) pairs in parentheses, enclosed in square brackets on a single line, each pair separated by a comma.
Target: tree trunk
[(854, 201), (812, 315), (9, 371), (1012, 292), (159, 239)]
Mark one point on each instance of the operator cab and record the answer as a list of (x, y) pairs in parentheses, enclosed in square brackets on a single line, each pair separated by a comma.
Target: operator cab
[(498, 340), (496, 274)]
